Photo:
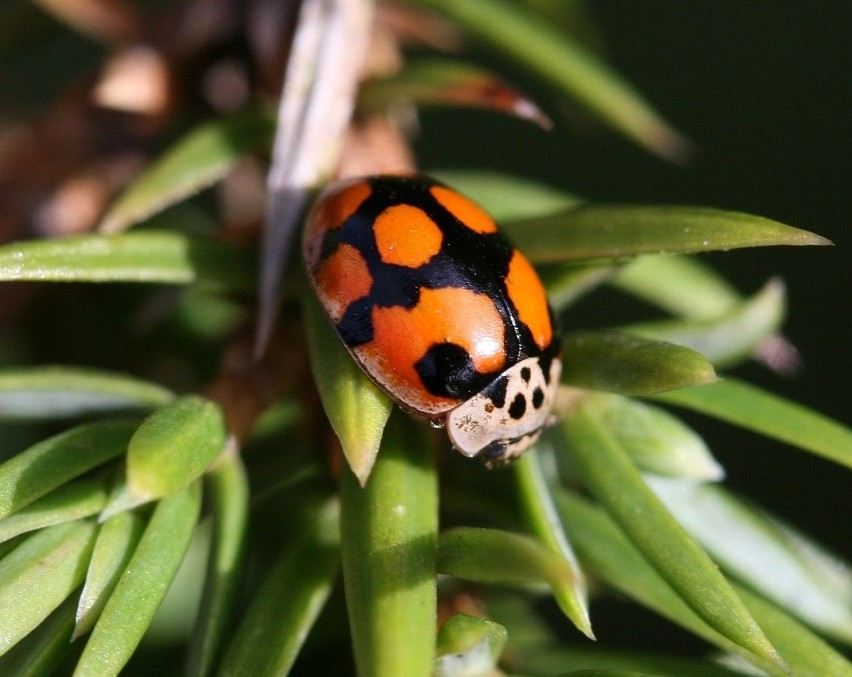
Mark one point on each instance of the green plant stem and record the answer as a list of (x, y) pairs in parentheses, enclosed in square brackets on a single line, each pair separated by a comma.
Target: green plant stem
[(389, 535)]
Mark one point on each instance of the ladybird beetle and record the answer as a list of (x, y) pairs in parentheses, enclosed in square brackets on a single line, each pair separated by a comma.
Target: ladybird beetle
[(438, 308)]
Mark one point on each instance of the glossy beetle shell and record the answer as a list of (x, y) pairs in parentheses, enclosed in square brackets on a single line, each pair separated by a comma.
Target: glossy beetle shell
[(438, 308)]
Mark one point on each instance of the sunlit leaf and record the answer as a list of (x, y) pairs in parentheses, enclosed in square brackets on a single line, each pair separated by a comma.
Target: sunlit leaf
[(802, 650), (619, 363), (356, 408), (289, 599), (52, 392), (619, 231), (468, 646), (116, 540), (431, 82), (656, 441), (195, 162), (160, 257), (755, 409), (729, 338), (143, 584), (39, 574), (229, 496), (71, 501), (51, 463), (608, 555), (43, 650), (174, 446), (389, 529), (605, 469), (566, 283), (543, 520), (539, 46), (751, 547), (683, 285)]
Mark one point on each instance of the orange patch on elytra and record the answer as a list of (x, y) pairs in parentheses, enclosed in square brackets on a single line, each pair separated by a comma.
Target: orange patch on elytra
[(527, 293), (464, 209), (403, 336), (341, 279), (406, 236), (332, 210)]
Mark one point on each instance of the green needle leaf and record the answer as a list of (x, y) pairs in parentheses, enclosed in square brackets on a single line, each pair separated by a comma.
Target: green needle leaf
[(505, 196), (761, 553), (620, 231), (356, 408), (198, 160), (229, 496), (624, 364), (39, 574), (289, 600), (682, 285), (117, 539), (767, 414), (606, 471), (53, 462), (173, 447), (544, 522), (159, 257), (448, 82), (536, 44), (656, 441), (803, 651), (729, 338), (56, 392), (608, 555), (389, 533), (468, 646), (502, 557), (142, 585), (42, 651), (69, 502)]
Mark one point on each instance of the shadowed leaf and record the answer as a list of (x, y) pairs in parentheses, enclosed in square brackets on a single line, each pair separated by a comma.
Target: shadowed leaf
[(436, 82), (535, 498), (628, 365), (750, 407), (537, 45), (289, 599), (195, 162)]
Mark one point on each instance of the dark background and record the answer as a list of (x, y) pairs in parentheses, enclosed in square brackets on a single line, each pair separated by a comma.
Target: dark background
[(764, 90)]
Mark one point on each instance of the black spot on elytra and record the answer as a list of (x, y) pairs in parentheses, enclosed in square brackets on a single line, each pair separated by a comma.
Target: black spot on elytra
[(447, 371), (538, 398), (518, 406), (356, 325), (526, 374)]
